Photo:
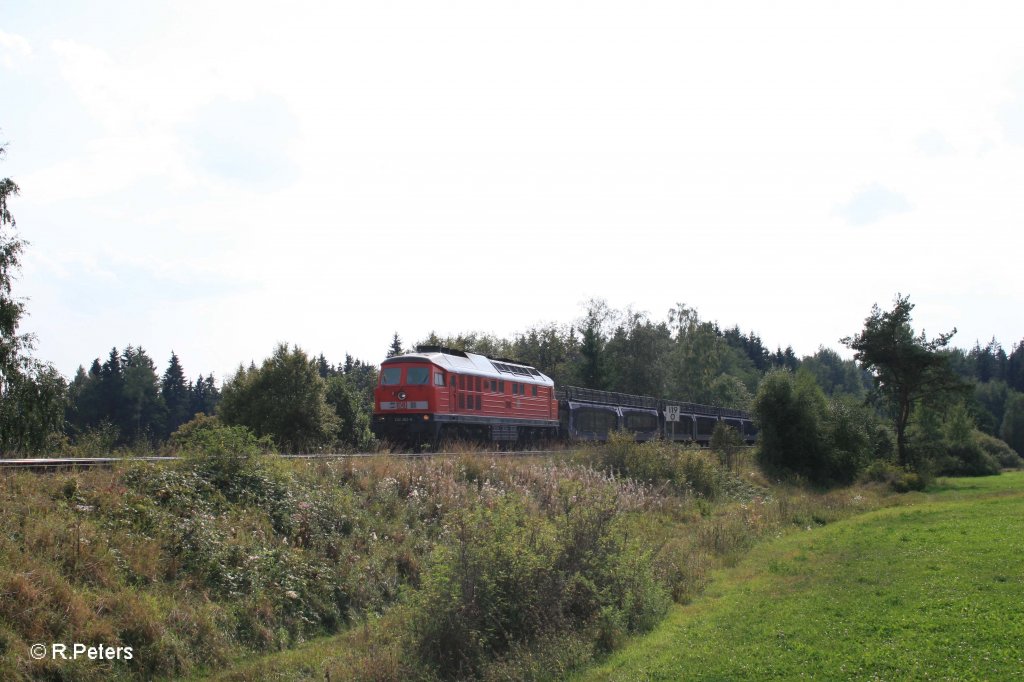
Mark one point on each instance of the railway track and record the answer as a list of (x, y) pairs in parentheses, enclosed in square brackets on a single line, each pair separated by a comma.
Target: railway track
[(52, 463)]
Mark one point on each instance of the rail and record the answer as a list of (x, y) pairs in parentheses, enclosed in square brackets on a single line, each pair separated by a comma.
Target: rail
[(87, 462)]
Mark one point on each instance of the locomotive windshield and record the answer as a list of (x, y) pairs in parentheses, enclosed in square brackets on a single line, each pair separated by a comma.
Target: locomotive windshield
[(390, 376), (417, 375)]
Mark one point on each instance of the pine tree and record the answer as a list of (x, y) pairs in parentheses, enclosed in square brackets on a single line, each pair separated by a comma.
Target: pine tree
[(174, 392), (906, 368)]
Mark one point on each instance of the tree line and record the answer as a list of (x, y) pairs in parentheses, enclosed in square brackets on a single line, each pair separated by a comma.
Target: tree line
[(681, 357), (125, 399), (930, 410), (903, 399)]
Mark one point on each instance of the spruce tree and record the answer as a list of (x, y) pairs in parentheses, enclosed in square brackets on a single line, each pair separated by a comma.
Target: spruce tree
[(396, 346), (174, 392)]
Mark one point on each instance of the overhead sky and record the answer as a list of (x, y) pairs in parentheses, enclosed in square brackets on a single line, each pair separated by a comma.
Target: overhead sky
[(216, 177)]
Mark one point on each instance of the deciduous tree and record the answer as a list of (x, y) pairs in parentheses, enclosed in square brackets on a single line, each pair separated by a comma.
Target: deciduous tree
[(32, 393), (285, 398)]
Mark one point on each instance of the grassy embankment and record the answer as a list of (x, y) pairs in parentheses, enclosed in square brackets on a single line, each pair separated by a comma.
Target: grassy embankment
[(926, 590), (376, 569)]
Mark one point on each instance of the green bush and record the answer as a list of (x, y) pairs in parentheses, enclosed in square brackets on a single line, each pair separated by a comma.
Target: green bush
[(967, 459), (999, 450), (899, 479), (790, 412), (687, 469), (230, 458), (508, 578)]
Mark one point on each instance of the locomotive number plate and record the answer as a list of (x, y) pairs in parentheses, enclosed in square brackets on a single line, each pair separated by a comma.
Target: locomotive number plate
[(404, 405)]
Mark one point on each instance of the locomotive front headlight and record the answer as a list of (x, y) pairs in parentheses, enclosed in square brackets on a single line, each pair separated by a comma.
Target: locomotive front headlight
[(401, 395)]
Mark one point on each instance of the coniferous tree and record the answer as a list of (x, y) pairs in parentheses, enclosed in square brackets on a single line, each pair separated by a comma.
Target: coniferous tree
[(1015, 368), (111, 388), (142, 408), (203, 395), (175, 394), (323, 368), (906, 368), (1012, 428), (592, 372), (785, 359), (83, 402), (396, 347)]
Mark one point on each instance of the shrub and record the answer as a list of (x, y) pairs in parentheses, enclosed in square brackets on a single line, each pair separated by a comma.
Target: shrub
[(999, 450), (508, 578), (688, 470), (726, 442), (967, 459), (230, 458), (789, 412), (483, 592), (899, 479)]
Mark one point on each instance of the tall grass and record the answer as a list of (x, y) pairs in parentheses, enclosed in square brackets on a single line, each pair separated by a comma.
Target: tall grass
[(482, 567)]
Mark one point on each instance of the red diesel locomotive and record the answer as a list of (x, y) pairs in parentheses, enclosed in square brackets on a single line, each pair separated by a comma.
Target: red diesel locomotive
[(438, 393)]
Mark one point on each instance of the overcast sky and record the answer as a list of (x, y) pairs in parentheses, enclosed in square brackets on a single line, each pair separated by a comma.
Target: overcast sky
[(216, 177)]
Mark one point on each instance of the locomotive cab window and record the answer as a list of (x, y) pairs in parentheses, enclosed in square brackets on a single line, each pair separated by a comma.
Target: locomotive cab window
[(417, 376), (438, 379), (535, 391), (390, 376)]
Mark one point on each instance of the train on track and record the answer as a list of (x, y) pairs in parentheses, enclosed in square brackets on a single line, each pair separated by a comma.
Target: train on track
[(438, 394)]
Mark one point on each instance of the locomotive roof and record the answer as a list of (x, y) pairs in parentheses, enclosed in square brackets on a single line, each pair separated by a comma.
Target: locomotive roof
[(477, 365)]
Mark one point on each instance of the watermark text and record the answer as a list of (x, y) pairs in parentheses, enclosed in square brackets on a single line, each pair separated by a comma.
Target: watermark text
[(59, 651)]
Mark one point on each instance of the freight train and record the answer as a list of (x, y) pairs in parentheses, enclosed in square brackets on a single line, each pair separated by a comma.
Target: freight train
[(438, 394)]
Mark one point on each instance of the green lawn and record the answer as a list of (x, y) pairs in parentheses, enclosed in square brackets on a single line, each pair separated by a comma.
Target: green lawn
[(933, 589)]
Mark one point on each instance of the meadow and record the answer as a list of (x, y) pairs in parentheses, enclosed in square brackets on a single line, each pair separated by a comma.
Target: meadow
[(929, 589)]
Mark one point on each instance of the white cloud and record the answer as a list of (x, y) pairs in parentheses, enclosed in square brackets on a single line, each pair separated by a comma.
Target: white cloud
[(872, 204), (933, 143), (335, 157), (14, 50)]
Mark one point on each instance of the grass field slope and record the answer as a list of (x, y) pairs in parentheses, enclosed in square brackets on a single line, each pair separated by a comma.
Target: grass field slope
[(933, 589)]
